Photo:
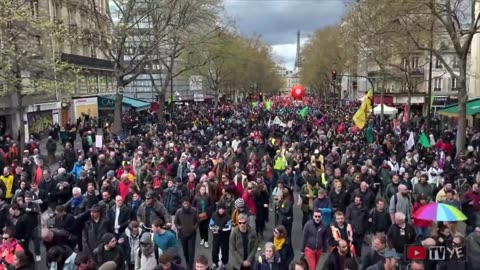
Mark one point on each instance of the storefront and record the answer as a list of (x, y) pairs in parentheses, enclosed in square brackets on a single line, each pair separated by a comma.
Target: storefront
[(83, 107), (40, 118)]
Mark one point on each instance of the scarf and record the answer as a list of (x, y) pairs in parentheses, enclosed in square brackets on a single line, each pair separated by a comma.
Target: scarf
[(278, 243), (77, 201)]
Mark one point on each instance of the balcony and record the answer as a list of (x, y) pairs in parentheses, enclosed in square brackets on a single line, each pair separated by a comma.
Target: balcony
[(418, 72)]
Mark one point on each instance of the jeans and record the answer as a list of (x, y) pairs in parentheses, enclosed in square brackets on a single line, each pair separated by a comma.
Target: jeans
[(188, 246), (312, 257)]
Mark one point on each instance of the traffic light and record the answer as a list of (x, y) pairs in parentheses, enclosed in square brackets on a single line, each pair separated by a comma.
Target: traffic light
[(334, 75)]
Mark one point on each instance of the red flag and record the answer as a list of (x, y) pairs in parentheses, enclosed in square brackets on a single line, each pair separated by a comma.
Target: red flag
[(405, 113), (340, 128)]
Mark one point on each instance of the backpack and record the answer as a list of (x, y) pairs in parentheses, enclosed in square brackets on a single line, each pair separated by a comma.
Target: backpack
[(155, 252)]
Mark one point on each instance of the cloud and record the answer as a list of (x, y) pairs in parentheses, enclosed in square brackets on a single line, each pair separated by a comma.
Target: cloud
[(278, 21)]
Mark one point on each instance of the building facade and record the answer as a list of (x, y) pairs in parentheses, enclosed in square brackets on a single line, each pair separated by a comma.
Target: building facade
[(42, 109)]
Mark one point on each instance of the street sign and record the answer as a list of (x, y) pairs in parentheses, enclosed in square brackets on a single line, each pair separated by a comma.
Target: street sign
[(196, 83), (198, 97)]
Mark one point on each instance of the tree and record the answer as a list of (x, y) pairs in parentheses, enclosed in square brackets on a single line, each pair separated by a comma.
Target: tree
[(193, 24), (236, 64), (452, 23), (27, 65), (373, 34), (129, 36), (324, 52)]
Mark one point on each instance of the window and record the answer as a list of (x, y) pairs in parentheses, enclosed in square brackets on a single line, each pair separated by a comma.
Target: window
[(34, 7), (437, 84), (438, 63), (454, 84), (414, 63), (71, 16), (455, 62), (404, 63)]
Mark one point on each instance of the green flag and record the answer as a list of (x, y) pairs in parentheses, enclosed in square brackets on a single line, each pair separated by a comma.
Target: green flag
[(304, 112), (424, 141), (268, 105), (170, 100), (254, 104)]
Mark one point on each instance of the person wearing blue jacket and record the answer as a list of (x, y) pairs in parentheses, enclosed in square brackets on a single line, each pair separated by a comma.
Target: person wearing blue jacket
[(322, 202), (221, 226)]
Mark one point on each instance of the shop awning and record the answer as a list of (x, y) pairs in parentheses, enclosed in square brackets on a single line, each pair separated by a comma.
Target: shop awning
[(473, 108), (128, 102)]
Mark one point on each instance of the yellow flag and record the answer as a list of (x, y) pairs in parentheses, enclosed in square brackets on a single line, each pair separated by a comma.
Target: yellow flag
[(361, 116)]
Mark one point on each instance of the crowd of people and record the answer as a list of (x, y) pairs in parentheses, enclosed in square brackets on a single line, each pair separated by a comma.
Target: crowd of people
[(222, 175)]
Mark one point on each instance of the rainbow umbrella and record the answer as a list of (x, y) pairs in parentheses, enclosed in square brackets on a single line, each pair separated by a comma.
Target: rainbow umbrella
[(439, 212)]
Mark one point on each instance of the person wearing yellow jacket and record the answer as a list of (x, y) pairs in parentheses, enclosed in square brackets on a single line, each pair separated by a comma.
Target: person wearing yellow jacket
[(7, 180), (279, 166)]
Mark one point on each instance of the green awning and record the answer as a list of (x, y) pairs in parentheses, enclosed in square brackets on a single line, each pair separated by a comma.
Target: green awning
[(127, 102), (473, 108)]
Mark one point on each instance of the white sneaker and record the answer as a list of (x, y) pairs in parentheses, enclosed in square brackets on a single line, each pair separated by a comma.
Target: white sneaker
[(202, 242), (206, 244), (38, 258)]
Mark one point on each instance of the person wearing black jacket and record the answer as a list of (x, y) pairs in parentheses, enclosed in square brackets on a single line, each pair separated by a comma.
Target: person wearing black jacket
[(357, 217), (34, 209), (25, 225), (120, 221), (379, 219), (340, 258), (109, 250), (63, 220), (400, 234)]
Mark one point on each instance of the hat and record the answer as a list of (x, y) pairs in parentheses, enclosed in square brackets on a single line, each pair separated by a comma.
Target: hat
[(96, 208), (110, 173), (391, 254), (146, 238), (221, 205), (107, 237), (150, 194), (239, 203)]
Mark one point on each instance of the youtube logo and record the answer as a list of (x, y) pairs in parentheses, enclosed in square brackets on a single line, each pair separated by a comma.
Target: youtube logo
[(415, 253)]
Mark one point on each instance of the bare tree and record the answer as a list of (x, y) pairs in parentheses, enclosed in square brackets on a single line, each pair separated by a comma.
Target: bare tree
[(193, 24), (130, 36), (450, 22)]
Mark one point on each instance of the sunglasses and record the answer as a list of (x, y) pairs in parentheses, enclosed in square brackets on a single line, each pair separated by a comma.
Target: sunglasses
[(249, 188), (242, 223), (317, 216)]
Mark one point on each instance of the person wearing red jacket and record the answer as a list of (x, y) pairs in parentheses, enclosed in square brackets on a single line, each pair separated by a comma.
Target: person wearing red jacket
[(422, 227), (249, 199), (471, 207), (227, 183), (123, 187)]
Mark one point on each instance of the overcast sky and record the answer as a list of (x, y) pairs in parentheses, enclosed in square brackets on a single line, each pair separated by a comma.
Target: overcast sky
[(277, 21)]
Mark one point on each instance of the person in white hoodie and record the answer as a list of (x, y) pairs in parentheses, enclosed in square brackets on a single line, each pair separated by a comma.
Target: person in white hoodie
[(435, 174), (147, 256), (130, 241)]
